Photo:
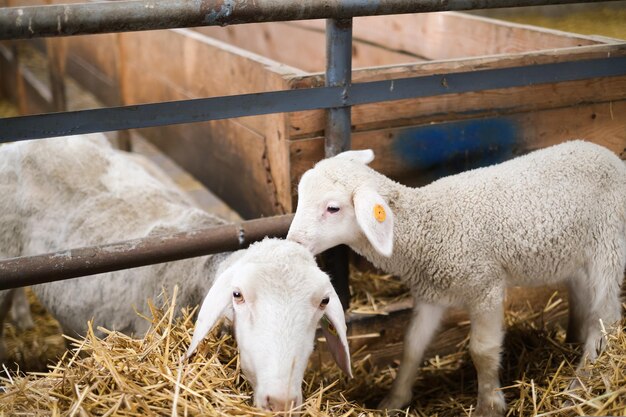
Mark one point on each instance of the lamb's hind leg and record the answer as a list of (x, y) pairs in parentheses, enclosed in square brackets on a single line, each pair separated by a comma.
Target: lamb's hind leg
[(602, 296), (578, 309), (424, 322), (486, 337)]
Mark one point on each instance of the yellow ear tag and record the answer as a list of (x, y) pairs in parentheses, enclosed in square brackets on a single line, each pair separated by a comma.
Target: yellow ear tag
[(379, 213)]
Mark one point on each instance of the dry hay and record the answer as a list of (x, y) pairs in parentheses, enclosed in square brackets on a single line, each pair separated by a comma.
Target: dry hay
[(33, 349), (118, 375), (7, 109), (371, 292)]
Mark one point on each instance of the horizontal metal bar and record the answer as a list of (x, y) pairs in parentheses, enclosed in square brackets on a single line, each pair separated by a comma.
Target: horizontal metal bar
[(32, 270), (197, 110), (124, 16)]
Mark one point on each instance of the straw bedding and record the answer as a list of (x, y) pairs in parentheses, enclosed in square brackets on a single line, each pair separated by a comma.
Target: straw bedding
[(119, 375)]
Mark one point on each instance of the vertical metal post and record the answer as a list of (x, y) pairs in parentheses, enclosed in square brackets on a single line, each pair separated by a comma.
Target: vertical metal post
[(338, 127), (338, 74)]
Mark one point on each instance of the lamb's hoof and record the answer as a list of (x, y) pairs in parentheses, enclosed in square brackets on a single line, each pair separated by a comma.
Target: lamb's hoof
[(395, 401), (494, 406), (574, 385)]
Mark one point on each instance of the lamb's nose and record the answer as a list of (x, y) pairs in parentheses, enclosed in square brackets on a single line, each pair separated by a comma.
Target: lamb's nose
[(275, 403)]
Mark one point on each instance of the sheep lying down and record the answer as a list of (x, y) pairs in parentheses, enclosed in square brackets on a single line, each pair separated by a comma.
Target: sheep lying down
[(554, 215), (78, 191)]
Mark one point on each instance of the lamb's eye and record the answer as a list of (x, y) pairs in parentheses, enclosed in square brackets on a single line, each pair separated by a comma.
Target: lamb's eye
[(238, 297), (332, 209), (324, 302)]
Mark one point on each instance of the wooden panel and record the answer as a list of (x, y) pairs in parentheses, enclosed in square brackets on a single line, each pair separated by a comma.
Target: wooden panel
[(8, 73), (446, 107), (276, 158), (454, 35), (202, 197), (419, 154), (93, 63), (227, 157), (301, 47), (185, 64), (56, 53), (196, 66)]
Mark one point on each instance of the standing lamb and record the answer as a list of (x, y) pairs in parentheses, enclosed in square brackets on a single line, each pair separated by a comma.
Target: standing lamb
[(557, 214), (78, 191)]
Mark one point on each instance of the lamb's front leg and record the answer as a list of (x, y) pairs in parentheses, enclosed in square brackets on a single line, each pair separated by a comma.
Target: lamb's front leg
[(424, 322), (486, 337)]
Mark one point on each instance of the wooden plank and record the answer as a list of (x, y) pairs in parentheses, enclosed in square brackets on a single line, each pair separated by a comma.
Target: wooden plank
[(413, 111), (201, 196), (93, 63), (198, 66), (276, 158), (451, 35), (417, 155), (183, 66), (8, 68), (301, 47), (34, 95), (225, 156), (56, 51)]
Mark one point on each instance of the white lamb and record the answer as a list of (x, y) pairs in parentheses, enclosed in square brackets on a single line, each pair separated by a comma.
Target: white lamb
[(78, 191), (557, 214)]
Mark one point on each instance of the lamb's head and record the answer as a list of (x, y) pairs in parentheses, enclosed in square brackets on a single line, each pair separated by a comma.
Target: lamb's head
[(275, 295), (338, 204)]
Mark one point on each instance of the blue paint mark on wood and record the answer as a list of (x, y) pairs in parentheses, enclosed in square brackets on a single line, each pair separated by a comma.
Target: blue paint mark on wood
[(449, 148)]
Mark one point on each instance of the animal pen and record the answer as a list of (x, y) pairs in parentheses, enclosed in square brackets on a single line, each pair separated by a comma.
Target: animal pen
[(248, 107)]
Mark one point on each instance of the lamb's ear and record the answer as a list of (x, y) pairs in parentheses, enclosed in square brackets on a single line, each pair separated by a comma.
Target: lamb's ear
[(365, 156), (215, 305), (334, 328), (375, 219)]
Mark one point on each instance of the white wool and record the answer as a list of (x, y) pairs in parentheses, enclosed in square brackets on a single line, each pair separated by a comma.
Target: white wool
[(78, 191), (557, 214)]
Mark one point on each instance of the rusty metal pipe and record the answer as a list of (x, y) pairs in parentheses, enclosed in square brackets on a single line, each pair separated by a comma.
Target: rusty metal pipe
[(32, 270), (133, 15)]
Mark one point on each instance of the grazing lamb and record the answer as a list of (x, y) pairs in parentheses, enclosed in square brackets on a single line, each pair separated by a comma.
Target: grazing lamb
[(557, 214), (275, 295), (78, 191)]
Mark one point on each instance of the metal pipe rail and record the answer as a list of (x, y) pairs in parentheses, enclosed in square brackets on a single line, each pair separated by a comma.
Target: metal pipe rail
[(336, 97), (73, 263), (123, 16)]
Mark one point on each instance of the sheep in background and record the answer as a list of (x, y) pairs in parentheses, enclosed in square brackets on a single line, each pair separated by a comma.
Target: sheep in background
[(78, 191), (557, 214)]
